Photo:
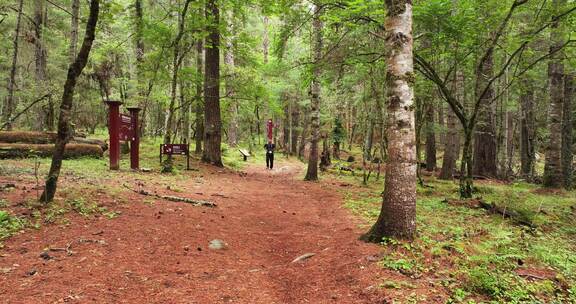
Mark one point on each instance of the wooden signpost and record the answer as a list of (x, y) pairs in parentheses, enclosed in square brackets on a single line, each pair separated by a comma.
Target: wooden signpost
[(123, 127), (176, 149)]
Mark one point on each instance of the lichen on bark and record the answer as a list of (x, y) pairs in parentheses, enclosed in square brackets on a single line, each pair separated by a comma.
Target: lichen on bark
[(396, 7)]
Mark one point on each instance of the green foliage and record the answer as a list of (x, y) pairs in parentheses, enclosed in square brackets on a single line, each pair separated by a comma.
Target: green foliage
[(477, 253), (10, 224)]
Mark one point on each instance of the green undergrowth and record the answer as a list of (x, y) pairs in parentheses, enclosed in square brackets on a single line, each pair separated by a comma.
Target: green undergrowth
[(10, 224), (478, 256), (85, 182), (83, 202)]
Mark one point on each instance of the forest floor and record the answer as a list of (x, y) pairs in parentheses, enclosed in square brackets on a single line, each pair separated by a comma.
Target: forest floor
[(100, 242), (123, 247)]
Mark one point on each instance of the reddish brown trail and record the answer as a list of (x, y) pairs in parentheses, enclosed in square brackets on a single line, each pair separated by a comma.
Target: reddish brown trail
[(158, 253)]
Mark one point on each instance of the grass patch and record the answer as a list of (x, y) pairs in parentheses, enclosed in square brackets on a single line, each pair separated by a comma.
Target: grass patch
[(477, 254), (10, 224)]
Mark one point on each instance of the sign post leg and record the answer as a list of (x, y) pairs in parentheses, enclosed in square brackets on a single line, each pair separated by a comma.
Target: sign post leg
[(187, 157), (135, 140), (114, 132)]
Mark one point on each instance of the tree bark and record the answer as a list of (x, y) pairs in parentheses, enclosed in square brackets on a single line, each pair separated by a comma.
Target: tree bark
[(294, 127), (553, 176), (510, 134), (304, 134), (212, 119), (40, 63), (199, 136), (65, 131), (72, 48), (368, 143), (230, 91), (452, 144), (485, 152), (527, 131), (10, 102), (185, 105), (430, 138), (265, 40), (139, 53), (567, 130), (397, 217), (312, 171)]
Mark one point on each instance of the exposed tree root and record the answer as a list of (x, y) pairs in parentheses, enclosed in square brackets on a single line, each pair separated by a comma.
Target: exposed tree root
[(173, 198)]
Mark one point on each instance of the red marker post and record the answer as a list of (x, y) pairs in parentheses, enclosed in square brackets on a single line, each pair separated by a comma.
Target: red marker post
[(135, 139), (114, 132)]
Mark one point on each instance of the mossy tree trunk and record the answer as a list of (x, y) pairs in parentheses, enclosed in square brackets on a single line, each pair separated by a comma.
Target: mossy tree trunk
[(312, 171), (65, 131), (397, 217)]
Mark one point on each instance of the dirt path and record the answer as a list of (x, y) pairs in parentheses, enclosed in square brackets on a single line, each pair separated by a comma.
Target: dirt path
[(158, 253)]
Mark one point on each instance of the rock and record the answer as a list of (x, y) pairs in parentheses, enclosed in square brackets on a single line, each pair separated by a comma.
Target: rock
[(303, 257), (31, 272), (45, 255), (217, 244)]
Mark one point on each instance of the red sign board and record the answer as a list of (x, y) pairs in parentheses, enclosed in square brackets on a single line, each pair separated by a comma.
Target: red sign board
[(176, 149), (126, 128), (171, 149)]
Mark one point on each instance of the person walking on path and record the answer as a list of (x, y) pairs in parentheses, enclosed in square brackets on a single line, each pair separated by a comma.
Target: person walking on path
[(269, 154)]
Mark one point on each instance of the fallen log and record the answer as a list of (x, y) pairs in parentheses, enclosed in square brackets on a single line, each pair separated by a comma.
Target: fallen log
[(35, 137), (81, 140), (171, 198), (514, 215), (27, 137), (45, 150)]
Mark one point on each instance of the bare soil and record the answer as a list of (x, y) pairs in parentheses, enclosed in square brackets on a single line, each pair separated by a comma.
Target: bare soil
[(157, 251)]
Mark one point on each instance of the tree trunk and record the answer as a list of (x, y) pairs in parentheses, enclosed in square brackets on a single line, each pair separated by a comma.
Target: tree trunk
[(485, 159), (466, 171), (40, 62), (65, 131), (176, 62), (430, 138), (199, 136), (442, 134), (553, 176), (567, 130), (294, 127), (265, 40), (397, 217), (325, 160), (185, 105), (230, 92), (510, 133), (212, 119), (10, 102), (367, 146), (452, 144), (527, 131), (304, 134), (139, 52), (72, 48), (312, 172)]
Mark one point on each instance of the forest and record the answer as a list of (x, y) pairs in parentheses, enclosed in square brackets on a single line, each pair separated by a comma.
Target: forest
[(416, 151)]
